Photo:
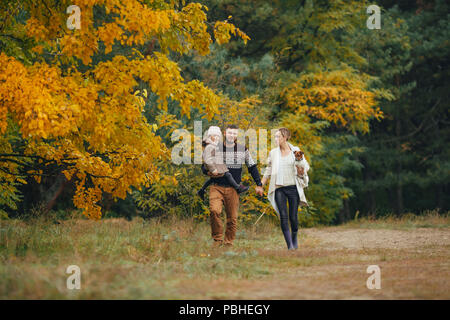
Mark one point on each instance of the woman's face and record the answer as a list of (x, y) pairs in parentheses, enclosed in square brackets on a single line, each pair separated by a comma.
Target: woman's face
[(279, 139)]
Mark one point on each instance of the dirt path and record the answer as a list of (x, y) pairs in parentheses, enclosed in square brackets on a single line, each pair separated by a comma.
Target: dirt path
[(176, 260), (332, 264), (379, 238)]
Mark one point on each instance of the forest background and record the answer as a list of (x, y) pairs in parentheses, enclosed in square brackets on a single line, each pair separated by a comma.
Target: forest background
[(87, 115)]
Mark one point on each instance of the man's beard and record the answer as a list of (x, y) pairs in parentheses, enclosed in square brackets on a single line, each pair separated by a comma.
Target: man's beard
[(232, 141)]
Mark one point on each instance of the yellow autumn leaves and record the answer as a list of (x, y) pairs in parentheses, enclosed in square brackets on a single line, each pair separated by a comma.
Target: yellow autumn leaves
[(340, 97), (37, 97), (90, 120), (223, 31)]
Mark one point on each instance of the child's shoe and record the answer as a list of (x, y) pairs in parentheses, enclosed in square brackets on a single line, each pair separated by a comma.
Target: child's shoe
[(201, 194), (242, 189)]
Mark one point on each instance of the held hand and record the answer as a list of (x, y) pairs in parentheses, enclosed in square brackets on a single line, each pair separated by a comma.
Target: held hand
[(300, 171), (259, 191)]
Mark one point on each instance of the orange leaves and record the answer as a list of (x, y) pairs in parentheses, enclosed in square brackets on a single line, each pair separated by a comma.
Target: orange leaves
[(222, 30), (141, 20), (339, 96), (116, 77), (68, 109), (91, 123), (165, 80), (197, 96), (35, 29), (80, 44), (137, 20), (108, 34), (244, 113), (167, 120), (133, 22), (88, 199), (37, 97), (188, 30)]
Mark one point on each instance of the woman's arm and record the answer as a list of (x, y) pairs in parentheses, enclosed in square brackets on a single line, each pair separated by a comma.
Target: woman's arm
[(263, 181), (268, 170)]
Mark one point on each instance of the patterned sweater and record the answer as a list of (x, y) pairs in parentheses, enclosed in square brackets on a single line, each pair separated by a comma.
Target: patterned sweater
[(234, 158)]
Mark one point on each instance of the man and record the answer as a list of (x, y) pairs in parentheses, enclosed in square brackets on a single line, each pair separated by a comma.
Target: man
[(222, 193)]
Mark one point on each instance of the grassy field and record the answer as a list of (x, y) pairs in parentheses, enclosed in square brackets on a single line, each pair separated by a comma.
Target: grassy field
[(175, 259)]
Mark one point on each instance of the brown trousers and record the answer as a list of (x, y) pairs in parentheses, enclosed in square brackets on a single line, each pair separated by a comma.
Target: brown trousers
[(219, 196)]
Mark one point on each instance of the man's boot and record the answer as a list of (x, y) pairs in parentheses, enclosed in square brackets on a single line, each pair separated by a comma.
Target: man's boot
[(217, 243), (294, 240), (287, 237)]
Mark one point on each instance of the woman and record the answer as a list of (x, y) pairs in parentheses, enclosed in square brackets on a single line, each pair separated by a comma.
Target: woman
[(285, 185)]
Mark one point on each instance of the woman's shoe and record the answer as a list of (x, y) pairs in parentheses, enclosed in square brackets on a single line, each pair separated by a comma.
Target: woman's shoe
[(294, 240), (288, 239)]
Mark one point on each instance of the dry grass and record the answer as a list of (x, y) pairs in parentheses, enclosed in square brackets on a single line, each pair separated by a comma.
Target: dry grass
[(174, 259), (428, 219)]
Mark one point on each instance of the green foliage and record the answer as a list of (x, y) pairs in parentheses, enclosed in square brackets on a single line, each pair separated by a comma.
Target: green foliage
[(330, 176), (175, 194), (315, 68), (13, 39), (407, 154), (293, 39)]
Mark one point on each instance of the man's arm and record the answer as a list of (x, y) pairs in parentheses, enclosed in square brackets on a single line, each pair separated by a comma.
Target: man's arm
[(255, 175), (252, 168)]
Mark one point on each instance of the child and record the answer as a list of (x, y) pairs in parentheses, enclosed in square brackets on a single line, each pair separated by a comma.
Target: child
[(214, 162), (301, 163)]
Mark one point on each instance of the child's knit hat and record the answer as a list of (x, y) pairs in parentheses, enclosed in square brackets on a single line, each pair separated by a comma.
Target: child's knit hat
[(213, 130)]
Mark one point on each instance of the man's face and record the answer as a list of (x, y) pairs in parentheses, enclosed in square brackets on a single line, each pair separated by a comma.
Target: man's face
[(231, 135)]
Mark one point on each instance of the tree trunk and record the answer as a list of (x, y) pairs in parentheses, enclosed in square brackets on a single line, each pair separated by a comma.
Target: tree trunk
[(370, 203), (439, 197), (373, 203), (399, 188), (344, 213), (347, 209), (54, 192), (107, 201)]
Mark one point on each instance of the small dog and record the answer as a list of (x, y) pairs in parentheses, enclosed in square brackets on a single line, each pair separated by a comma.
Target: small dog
[(301, 163), (299, 155)]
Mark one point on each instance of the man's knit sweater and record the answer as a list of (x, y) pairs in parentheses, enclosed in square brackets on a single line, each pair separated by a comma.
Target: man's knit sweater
[(234, 158)]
